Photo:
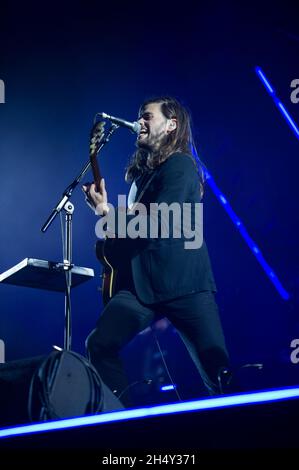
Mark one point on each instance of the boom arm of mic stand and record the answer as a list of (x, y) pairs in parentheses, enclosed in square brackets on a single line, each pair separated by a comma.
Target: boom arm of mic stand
[(68, 191)]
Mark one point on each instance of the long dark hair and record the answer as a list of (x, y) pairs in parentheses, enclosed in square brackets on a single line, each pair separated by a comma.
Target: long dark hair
[(179, 140)]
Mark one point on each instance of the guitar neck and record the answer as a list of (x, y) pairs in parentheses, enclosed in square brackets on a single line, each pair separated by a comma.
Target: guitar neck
[(97, 134), (95, 171)]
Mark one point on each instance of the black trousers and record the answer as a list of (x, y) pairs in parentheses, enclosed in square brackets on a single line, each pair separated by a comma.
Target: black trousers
[(194, 316)]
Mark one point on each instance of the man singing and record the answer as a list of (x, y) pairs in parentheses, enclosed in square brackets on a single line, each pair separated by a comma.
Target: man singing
[(161, 276)]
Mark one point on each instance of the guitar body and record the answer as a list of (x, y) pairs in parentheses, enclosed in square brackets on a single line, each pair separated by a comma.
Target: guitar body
[(105, 252)]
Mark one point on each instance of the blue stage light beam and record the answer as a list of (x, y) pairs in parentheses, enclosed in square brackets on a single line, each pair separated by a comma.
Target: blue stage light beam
[(243, 232), (241, 228), (243, 399), (277, 101)]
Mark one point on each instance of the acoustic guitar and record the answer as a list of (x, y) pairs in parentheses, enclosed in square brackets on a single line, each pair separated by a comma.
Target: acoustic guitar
[(104, 248), (110, 251)]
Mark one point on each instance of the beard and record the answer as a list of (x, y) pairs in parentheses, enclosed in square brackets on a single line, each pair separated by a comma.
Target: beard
[(151, 150), (152, 144)]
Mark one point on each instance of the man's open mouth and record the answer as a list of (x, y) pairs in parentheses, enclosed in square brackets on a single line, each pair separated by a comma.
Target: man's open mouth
[(142, 133)]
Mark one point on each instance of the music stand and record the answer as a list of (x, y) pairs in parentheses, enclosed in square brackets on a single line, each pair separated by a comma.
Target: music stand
[(48, 275), (42, 274)]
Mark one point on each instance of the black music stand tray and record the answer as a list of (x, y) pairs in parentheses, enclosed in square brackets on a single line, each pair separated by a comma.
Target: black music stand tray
[(42, 274)]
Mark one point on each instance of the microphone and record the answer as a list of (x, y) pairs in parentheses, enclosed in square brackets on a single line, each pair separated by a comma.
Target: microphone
[(133, 126)]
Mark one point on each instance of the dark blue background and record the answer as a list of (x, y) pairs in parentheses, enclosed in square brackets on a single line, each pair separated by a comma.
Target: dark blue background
[(62, 63)]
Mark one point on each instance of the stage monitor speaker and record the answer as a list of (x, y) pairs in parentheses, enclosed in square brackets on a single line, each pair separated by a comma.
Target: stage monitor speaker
[(61, 385)]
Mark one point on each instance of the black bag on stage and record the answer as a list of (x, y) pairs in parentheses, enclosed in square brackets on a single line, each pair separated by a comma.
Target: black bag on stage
[(61, 385)]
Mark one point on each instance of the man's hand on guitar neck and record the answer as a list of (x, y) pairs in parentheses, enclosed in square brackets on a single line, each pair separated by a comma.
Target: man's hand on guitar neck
[(96, 200)]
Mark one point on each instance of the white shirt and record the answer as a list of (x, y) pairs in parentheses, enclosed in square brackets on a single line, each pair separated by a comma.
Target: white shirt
[(132, 195)]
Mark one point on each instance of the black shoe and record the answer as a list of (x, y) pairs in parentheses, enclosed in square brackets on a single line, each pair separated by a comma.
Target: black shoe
[(226, 381)]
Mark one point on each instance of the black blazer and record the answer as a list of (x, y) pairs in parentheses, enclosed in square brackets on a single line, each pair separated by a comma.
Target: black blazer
[(162, 268)]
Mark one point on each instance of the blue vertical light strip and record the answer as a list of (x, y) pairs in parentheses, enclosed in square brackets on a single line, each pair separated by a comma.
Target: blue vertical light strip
[(278, 103), (241, 228), (243, 232)]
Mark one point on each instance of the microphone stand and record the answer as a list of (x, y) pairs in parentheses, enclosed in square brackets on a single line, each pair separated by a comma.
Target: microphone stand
[(67, 265)]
